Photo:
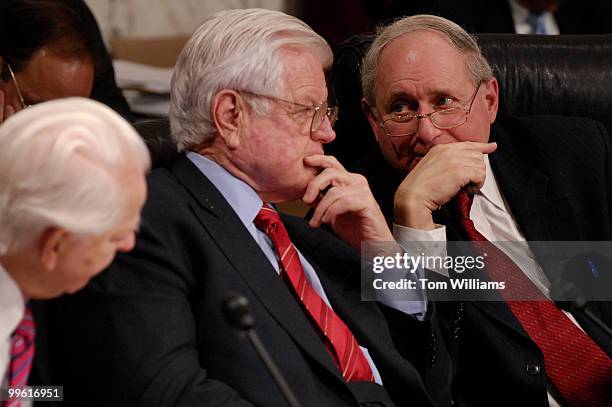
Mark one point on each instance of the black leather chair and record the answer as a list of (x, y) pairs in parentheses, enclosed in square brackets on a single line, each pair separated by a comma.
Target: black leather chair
[(156, 134), (566, 75)]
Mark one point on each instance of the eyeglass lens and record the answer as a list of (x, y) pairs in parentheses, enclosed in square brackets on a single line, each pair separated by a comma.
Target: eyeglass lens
[(319, 116)]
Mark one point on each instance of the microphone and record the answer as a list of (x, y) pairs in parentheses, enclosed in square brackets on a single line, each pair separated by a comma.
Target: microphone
[(569, 298), (238, 314)]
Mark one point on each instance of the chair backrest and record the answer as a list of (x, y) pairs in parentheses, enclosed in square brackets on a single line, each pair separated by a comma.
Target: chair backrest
[(156, 135), (566, 75)]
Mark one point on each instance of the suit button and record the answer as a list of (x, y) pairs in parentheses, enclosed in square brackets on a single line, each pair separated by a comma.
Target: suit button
[(533, 369)]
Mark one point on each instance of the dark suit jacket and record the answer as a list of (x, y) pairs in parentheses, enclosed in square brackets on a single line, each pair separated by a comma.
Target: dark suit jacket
[(556, 175), (495, 16), (151, 331)]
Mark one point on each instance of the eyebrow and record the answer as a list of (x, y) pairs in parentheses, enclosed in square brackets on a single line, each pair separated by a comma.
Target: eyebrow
[(403, 94)]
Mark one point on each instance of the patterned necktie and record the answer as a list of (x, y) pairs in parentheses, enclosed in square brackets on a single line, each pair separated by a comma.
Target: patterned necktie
[(340, 342), (22, 353), (577, 366)]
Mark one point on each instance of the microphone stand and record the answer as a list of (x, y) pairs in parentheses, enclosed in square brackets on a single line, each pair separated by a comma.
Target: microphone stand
[(238, 314)]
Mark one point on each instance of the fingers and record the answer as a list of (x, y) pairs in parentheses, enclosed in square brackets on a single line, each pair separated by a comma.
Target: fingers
[(484, 148), (327, 178), (2, 102), (333, 174), (351, 190), (6, 110), (340, 200), (323, 161), (438, 176)]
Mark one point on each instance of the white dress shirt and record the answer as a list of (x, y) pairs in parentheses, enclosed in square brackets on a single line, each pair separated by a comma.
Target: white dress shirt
[(11, 313), (493, 219), (246, 203)]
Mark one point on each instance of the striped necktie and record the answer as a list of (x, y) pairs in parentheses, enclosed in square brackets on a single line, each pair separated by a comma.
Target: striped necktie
[(22, 353), (337, 337)]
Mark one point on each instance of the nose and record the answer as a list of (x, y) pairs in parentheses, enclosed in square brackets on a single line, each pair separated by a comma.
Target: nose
[(325, 133), (427, 132), (127, 244)]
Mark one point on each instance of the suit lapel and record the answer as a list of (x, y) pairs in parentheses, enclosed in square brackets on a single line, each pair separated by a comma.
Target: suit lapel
[(237, 244)]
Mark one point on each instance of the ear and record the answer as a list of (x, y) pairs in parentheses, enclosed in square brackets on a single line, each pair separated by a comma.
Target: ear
[(369, 112), (228, 113), (50, 246), (492, 98)]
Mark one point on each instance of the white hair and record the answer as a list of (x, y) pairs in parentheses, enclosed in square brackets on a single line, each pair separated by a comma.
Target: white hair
[(477, 66), (239, 50), (60, 165)]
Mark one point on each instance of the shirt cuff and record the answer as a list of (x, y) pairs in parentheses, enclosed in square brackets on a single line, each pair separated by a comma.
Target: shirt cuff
[(407, 234), (423, 242)]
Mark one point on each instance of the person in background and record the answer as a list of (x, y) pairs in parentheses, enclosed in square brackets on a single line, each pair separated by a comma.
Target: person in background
[(72, 184), (105, 88), (515, 16), (431, 99), (52, 49)]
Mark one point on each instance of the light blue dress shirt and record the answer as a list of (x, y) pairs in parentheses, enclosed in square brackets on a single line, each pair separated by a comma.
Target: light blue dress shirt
[(246, 203)]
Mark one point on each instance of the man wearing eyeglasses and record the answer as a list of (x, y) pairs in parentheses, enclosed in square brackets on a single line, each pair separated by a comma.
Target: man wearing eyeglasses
[(250, 112), (431, 100), (51, 49), (48, 61)]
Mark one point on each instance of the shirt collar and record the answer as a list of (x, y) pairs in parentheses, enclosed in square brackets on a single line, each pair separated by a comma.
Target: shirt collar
[(519, 13), (12, 304), (241, 197), (490, 189)]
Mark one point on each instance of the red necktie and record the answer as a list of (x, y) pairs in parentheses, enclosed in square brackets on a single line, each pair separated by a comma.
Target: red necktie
[(577, 366), (22, 353), (342, 345)]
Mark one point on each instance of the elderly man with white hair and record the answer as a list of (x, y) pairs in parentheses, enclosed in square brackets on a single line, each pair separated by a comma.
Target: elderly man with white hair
[(251, 113), (71, 189)]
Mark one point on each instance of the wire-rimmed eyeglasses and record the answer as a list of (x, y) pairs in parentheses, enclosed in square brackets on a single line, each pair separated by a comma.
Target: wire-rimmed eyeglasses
[(407, 124), (24, 105), (321, 110)]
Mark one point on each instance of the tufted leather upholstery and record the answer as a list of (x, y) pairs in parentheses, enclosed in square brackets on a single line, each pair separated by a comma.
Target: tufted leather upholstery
[(568, 75)]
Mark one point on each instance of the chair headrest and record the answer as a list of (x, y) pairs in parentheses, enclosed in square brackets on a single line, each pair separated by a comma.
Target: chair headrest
[(537, 74), (156, 134)]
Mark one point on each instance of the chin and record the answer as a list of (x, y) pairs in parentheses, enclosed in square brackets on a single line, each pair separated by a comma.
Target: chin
[(72, 290), (77, 286)]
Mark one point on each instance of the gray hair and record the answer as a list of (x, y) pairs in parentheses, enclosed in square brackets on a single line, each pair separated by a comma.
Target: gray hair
[(239, 50), (60, 166), (477, 66)]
